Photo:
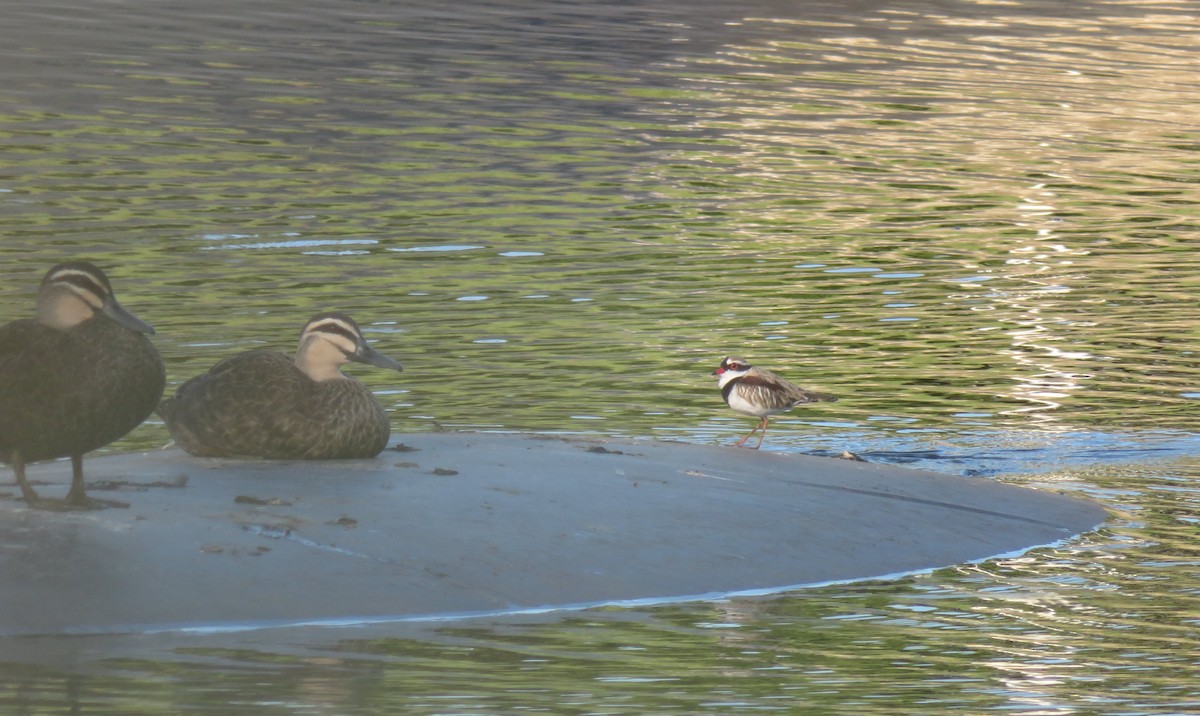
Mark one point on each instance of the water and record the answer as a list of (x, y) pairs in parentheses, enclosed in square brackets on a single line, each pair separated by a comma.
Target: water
[(975, 222)]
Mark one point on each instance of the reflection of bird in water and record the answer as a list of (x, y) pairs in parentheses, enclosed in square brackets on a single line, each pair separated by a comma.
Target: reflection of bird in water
[(263, 404), (80, 376), (761, 393)]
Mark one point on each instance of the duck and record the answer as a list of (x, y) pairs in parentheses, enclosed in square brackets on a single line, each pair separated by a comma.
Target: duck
[(79, 376), (263, 404), (758, 392)]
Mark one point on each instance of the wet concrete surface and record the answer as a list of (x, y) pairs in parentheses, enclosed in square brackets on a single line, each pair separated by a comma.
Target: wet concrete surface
[(447, 525)]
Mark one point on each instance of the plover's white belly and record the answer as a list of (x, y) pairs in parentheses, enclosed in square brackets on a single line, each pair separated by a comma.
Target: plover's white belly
[(748, 401)]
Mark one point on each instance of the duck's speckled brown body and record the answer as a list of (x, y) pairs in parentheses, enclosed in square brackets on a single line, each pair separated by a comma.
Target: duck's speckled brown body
[(69, 392), (260, 404), (263, 404)]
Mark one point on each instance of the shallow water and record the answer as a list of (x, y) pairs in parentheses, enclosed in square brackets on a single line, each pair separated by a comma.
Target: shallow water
[(975, 222)]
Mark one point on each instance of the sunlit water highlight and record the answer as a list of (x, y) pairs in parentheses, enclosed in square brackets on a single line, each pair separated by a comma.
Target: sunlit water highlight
[(975, 222)]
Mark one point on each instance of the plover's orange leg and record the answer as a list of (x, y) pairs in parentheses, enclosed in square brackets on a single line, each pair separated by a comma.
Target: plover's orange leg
[(762, 433), (746, 437), (761, 426)]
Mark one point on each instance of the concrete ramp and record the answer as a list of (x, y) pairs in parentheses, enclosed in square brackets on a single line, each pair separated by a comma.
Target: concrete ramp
[(448, 525)]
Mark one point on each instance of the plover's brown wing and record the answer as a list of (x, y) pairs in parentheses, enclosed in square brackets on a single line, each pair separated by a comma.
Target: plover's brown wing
[(786, 393), (764, 390)]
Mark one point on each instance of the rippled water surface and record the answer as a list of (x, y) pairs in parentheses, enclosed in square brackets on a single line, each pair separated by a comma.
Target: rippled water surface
[(976, 222)]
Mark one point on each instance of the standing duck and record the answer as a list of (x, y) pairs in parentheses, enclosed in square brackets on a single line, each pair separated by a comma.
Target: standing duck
[(76, 378), (760, 393), (261, 403)]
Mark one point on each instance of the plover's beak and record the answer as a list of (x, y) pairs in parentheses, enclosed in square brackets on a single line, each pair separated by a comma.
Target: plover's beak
[(718, 371)]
